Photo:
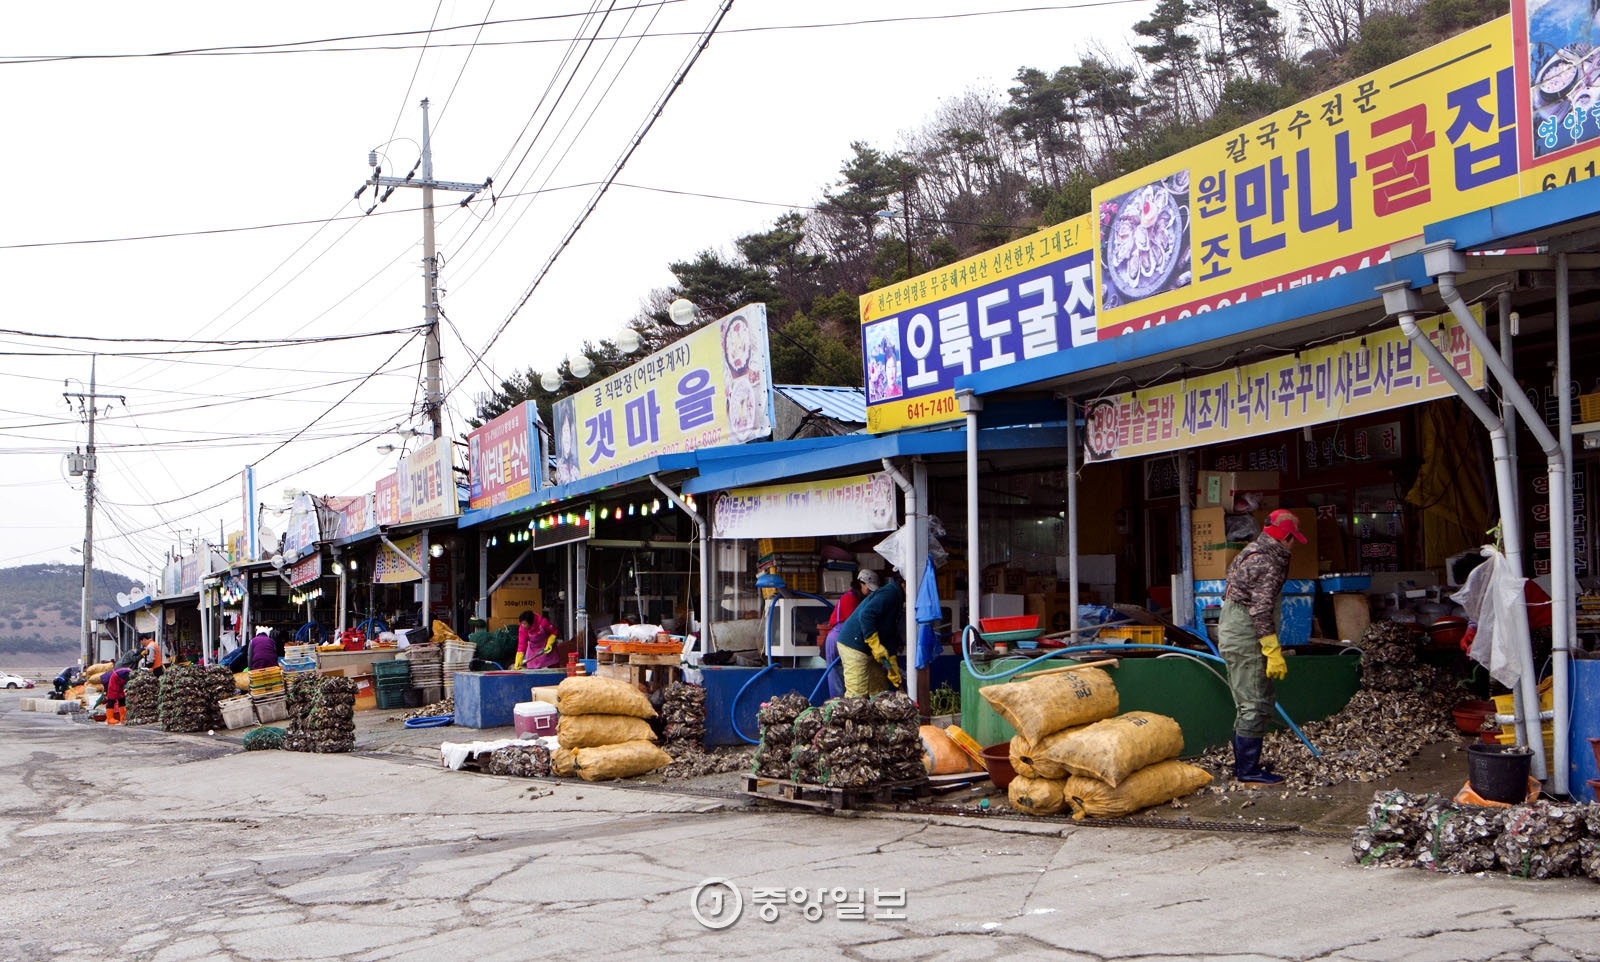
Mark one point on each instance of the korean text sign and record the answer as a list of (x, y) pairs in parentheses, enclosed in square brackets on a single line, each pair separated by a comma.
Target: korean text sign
[(390, 568), (712, 387), (426, 484), (505, 457), (1318, 189), (854, 505), (1360, 375), (1028, 298)]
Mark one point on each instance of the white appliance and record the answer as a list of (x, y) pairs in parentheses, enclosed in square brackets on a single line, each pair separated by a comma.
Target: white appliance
[(797, 626)]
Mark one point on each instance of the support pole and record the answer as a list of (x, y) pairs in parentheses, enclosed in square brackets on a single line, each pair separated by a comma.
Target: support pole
[(1562, 581), (970, 404), (580, 590), (1183, 598), (917, 679), (1508, 410), (481, 609), (912, 571), (1072, 514), (703, 527), (427, 581)]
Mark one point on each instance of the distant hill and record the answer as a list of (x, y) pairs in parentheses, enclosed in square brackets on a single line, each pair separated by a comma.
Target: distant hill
[(40, 610)]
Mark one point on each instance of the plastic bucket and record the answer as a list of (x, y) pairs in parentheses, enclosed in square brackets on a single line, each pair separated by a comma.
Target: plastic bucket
[(998, 760), (1497, 775)]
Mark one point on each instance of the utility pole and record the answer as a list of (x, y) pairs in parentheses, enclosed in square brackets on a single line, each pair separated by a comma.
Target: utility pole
[(84, 464), (434, 397)]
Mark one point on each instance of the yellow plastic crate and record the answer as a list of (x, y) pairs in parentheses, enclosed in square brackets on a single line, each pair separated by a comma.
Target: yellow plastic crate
[(797, 581), (1589, 407), (1135, 634), (768, 546)]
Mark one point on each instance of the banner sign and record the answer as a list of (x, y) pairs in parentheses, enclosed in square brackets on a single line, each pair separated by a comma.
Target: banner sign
[(305, 527), (712, 387), (252, 524), (854, 505), (506, 458), (354, 515), (390, 569), (306, 570), (236, 547), (1361, 375), (189, 575), (1032, 297), (1326, 186), (386, 500), (427, 483)]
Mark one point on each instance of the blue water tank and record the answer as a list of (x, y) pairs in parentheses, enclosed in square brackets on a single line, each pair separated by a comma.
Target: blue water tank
[(1585, 725)]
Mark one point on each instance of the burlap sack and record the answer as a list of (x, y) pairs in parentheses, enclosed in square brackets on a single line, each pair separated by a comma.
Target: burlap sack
[(589, 695), (1161, 782), (1037, 796), (1044, 705), (1032, 760), (563, 762), (1112, 749), (592, 731), (619, 761)]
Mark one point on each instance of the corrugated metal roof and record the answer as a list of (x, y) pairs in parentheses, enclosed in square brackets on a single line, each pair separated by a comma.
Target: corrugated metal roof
[(847, 404)]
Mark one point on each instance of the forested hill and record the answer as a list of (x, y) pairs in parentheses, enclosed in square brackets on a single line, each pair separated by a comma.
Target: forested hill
[(40, 610), (990, 165)]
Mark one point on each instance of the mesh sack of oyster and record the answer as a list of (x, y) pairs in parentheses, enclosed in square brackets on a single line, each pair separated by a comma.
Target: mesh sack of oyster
[(321, 715), (777, 734), (268, 738), (144, 698), (524, 761), (1459, 839), (1542, 840), (445, 707), (189, 695), (1395, 822), (683, 717)]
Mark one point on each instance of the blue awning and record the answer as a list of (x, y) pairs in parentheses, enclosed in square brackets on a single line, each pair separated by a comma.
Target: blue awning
[(780, 460), (584, 486), (1527, 220)]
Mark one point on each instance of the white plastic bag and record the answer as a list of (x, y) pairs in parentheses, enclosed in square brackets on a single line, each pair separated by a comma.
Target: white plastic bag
[(1496, 602)]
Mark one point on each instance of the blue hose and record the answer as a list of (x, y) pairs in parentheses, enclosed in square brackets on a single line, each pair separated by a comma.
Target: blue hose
[(434, 721), (733, 709), (823, 680), (966, 656)]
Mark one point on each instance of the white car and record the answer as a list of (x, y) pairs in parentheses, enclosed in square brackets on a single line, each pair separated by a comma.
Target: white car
[(8, 680)]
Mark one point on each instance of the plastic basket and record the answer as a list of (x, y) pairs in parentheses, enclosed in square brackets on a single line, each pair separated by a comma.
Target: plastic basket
[(391, 697), (1009, 623), (1134, 634), (772, 545), (238, 712), (1589, 407)]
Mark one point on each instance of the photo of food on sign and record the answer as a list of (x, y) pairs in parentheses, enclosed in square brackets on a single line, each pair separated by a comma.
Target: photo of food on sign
[(1145, 241), (1564, 64), (745, 372), (883, 361)]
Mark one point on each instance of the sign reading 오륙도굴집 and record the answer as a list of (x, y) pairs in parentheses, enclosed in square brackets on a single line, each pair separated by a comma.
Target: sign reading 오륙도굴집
[(1365, 374), (711, 387), (1031, 297), (1326, 186)]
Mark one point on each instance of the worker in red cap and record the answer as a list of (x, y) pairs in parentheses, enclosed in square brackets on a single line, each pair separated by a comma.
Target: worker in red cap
[(1247, 639)]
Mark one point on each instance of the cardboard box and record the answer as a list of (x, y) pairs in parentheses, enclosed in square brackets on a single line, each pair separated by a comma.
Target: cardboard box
[(1051, 607), (496, 622), (1211, 561), (1303, 562), (529, 580), (511, 602), (366, 695), (1219, 489)]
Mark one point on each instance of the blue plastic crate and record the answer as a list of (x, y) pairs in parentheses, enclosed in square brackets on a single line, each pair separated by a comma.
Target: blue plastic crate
[(1333, 583), (1294, 609)]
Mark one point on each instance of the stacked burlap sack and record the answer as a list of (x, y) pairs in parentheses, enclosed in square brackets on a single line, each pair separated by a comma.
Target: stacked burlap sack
[(604, 731), (1073, 751)]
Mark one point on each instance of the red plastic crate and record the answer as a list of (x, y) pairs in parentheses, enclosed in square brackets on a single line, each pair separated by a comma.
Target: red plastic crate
[(1013, 623)]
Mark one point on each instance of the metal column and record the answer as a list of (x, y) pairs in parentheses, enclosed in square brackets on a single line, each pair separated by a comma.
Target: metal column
[(970, 404), (1072, 514), (427, 582)]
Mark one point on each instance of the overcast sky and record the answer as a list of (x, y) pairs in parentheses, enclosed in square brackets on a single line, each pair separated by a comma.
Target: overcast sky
[(102, 148)]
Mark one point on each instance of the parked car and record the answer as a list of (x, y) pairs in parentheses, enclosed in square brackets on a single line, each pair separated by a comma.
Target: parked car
[(8, 680)]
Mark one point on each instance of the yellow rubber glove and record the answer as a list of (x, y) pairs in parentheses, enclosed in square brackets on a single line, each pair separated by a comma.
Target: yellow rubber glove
[(517, 665), (1277, 668), (875, 645), (550, 644)]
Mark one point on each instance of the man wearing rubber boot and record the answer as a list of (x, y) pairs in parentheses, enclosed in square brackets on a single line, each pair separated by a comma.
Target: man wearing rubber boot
[(1247, 639), (870, 639)]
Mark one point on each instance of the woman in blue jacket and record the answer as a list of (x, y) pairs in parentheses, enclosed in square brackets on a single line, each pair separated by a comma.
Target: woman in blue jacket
[(870, 639)]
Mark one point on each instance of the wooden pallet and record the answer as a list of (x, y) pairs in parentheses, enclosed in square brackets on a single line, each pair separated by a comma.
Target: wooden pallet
[(647, 678), (829, 798)]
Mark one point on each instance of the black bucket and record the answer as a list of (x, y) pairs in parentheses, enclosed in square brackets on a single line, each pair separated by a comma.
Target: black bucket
[(1498, 774)]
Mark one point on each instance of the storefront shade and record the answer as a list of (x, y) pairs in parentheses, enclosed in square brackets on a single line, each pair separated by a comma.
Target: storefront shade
[(854, 505), (1029, 298), (710, 388), (505, 457), (1360, 375), (1326, 186), (390, 569)]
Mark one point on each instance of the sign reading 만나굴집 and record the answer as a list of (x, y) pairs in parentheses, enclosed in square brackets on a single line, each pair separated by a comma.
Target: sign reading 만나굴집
[(712, 387), (1360, 375), (505, 457), (1031, 297), (390, 568), (1326, 186), (854, 505)]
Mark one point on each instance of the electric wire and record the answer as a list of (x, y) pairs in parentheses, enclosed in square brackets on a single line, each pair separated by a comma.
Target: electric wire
[(439, 118)]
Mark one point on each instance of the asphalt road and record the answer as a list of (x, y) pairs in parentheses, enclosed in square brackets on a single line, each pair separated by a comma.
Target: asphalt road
[(132, 844)]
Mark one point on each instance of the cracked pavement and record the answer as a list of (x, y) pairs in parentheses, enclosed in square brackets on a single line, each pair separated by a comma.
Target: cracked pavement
[(132, 844)]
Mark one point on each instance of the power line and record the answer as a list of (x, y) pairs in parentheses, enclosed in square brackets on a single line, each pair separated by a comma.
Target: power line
[(462, 72), (616, 170), (271, 341)]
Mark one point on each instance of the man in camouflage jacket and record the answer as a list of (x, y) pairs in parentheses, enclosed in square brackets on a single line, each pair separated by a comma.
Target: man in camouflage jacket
[(1247, 639)]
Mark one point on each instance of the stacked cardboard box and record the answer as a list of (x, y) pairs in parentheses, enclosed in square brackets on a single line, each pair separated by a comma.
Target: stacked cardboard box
[(518, 593)]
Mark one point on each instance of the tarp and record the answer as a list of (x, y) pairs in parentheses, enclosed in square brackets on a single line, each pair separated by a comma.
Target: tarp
[(928, 615)]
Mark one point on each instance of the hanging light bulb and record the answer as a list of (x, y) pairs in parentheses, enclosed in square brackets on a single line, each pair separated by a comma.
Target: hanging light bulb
[(619, 514), (627, 340), (580, 366), (655, 505), (550, 381), (630, 511), (682, 311)]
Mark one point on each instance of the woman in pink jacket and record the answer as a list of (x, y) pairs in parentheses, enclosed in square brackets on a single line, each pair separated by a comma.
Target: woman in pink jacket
[(536, 642)]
